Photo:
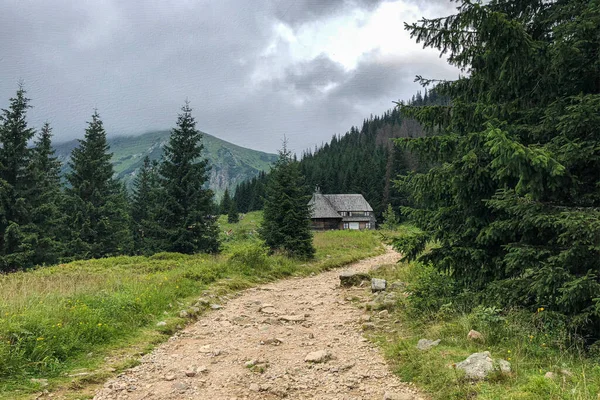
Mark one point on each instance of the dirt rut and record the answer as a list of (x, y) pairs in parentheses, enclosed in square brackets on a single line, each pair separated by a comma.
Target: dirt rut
[(255, 346)]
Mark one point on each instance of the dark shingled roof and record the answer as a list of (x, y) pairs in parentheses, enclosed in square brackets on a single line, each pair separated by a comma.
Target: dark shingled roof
[(348, 202), (321, 207), (329, 205)]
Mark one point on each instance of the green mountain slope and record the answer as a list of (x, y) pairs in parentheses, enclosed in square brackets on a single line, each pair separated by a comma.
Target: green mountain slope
[(230, 164)]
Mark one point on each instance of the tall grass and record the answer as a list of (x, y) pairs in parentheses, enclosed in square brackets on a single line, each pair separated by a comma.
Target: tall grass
[(51, 316), (533, 341)]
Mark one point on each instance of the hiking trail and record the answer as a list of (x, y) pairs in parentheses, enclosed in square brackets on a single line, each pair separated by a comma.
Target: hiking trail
[(256, 346)]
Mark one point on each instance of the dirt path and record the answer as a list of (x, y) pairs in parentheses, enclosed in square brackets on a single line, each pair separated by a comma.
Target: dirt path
[(274, 327)]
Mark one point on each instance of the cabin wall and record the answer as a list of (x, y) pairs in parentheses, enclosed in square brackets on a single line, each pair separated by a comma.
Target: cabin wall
[(326, 224)]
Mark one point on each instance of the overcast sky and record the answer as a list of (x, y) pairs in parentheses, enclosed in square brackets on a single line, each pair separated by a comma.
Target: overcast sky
[(253, 70)]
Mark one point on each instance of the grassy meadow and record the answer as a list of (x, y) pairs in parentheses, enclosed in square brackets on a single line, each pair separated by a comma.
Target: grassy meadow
[(533, 341), (71, 325)]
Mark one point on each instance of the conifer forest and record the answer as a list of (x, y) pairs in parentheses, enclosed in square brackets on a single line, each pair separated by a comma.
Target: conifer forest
[(485, 188)]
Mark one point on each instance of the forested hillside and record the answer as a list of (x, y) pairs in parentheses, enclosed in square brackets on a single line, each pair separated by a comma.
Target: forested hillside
[(230, 164), (363, 161)]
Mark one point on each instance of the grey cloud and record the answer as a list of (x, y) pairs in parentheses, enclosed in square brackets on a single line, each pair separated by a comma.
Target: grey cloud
[(137, 61), (311, 76), (300, 11)]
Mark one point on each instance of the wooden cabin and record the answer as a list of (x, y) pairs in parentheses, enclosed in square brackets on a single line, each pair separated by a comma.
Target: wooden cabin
[(341, 211)]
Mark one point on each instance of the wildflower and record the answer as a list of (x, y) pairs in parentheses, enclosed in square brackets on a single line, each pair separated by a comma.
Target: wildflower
[(508, 351), (100, 324), (530, 337), (540, 309), (508, 358), (40, 339)]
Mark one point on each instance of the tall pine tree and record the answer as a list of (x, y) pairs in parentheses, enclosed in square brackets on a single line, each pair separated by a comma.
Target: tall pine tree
[(46, 200), (514, 196), (16, 242), (145, 197), (96, 202), (233, 216), (225, 204), (286, 225), (185, 215)]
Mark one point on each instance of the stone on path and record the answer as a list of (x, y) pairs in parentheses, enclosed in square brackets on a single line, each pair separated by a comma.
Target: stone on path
[(181, 386), (254, 387), (397, 396), (161, 323), (426, 344), (479, 365), (352, 278), (319, 356), (292, 318), (378, 285), (201, 369), (272, 341)]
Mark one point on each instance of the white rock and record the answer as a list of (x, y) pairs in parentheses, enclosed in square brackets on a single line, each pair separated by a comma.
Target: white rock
[(479, 365), (319, 356), (378, 285)]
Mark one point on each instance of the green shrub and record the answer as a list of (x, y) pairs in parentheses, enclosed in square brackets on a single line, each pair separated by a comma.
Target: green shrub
[(253, 256), (430, 290)]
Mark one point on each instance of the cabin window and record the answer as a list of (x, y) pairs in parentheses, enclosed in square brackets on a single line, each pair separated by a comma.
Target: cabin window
[(344, 213), (368, 225), (346, 225)]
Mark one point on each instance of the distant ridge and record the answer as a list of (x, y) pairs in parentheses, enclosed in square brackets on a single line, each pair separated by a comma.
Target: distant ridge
[(230, 163)]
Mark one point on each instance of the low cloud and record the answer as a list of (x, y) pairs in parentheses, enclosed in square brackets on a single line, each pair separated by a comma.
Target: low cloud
[(138, 61)]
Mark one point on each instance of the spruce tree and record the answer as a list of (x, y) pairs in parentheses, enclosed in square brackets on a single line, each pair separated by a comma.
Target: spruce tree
[(232, 215), (513, 197), (47, 199), (144, 203), (16, 240), (390, 219), (185, 215), (286, 222), (225, 204), (96, 202)]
